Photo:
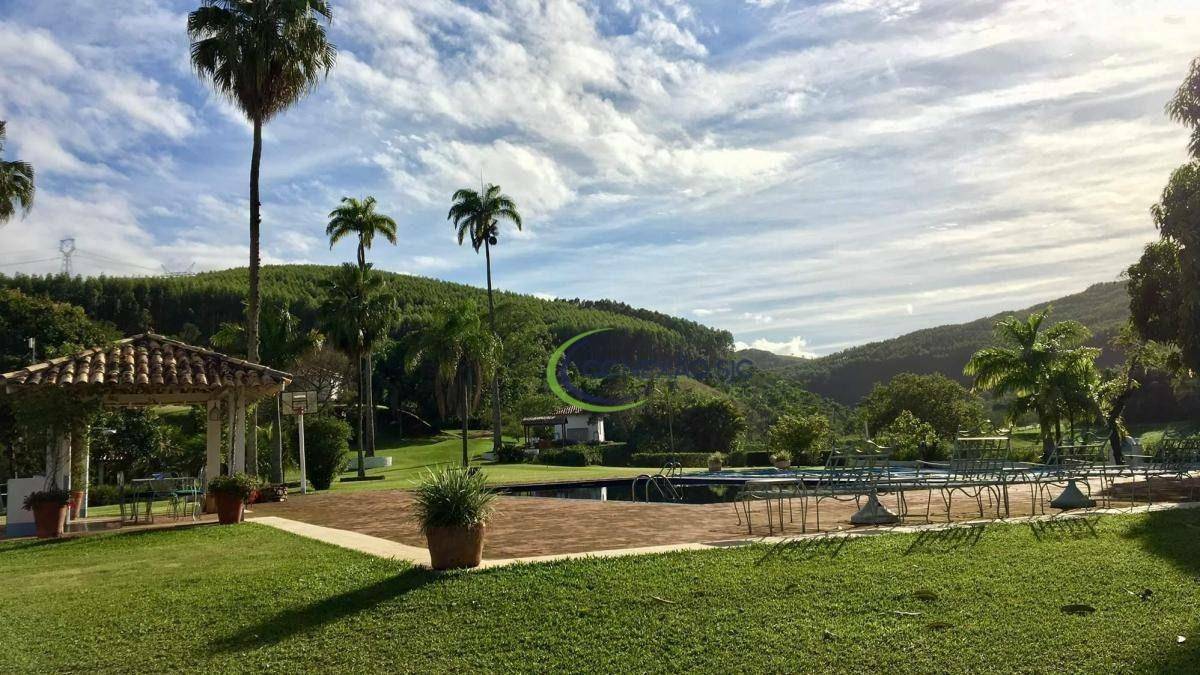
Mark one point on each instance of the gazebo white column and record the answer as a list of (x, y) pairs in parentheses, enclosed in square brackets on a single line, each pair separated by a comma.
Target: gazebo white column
[(85, 447), (58, 463), (237, 452), (212, 455)]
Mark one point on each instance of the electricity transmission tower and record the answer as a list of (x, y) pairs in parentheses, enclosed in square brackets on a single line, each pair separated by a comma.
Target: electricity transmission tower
[(67, 248)]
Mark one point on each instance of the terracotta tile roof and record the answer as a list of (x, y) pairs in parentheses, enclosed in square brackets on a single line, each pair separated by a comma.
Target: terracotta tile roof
[(556, 417), (147, 361)]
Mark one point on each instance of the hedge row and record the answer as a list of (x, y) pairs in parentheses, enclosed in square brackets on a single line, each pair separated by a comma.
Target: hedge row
[(607, 454), (658, 459), (621, 454)]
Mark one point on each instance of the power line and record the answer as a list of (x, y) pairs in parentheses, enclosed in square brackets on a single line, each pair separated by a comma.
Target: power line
[(28, 262), (67, 250)]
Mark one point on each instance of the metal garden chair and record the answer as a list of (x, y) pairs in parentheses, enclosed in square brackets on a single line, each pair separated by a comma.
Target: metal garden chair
[(1068, 466), (851, 475), (978, 466), (1177, 458)]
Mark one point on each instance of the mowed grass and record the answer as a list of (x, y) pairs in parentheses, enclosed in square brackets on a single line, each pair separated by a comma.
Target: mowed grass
[(253, 599), (412, 457)]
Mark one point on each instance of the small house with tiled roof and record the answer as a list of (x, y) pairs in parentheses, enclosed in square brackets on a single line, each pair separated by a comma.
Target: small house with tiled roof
[(570, 424)]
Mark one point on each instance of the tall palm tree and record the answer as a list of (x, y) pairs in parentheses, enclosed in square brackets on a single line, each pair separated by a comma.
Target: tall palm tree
[(478, 214), (463, 353), (360, 219), (1027, 365), (357, 311), (264, 56), (16, 185)]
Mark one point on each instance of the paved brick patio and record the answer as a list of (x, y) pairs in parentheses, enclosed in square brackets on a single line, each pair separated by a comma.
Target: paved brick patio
[(534, 526)]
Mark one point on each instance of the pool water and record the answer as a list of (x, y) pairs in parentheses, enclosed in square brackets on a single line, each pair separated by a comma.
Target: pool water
[(689, 493)]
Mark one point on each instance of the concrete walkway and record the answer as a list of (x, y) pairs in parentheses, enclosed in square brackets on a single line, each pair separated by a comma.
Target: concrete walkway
[(385, 548)]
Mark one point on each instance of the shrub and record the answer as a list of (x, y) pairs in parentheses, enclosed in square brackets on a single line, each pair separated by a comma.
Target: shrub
[(572, 455), (33, 499), (910, 438), (510, 453), (239, 484), (802, 437), (716, 457), (615, 454), (450, 497), (758, 458), (658, 459), (327, 448), (102, 495)]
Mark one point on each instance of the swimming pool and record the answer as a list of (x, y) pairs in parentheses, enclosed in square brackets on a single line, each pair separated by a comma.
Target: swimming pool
[(689, 491)]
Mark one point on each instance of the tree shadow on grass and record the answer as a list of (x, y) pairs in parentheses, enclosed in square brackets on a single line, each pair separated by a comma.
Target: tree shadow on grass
[(1174, 536), (947, 540), (331, 610)]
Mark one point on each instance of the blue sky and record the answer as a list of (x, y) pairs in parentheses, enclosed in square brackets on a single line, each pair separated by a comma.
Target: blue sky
[(808, 175)]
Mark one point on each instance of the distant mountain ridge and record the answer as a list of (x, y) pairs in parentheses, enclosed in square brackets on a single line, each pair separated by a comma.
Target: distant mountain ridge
[(848, 375)]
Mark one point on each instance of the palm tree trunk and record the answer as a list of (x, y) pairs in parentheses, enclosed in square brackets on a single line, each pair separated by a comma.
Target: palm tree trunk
[(370, 396), (466, 414), (487, 252), (1047, 436), (362, 470), (252, 302)]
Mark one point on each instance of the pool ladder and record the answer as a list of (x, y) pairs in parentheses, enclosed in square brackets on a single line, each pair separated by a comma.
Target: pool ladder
[(661, 482)]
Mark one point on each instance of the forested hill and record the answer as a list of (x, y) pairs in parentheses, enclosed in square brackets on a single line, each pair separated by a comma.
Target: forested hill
[(848, 375), (194, 307)]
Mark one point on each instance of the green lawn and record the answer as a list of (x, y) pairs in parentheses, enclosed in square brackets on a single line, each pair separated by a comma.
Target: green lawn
[(411, 457), (250, 598)]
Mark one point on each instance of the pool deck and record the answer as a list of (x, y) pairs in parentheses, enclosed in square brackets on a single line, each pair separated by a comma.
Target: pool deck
[(532, 527)]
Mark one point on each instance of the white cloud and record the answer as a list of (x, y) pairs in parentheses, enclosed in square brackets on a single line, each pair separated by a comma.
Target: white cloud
[(843, 170), (796, 346)]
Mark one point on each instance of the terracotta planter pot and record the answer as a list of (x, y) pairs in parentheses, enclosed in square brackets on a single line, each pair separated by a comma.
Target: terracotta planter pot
[(455, 547), (230, 509), (76, 502), (49, 518), (786, 464), (714, 467)]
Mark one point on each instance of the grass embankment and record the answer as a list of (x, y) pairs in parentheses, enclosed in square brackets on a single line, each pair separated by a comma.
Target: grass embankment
[(250, 598), (412, 457)]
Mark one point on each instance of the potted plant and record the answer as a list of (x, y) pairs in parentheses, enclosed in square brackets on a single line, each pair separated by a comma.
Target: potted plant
[(231, 493), (49, 509), (76, 502), (715, 461), (781, 460), (453, 506)]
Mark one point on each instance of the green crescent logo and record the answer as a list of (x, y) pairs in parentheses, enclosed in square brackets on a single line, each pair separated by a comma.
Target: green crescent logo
[(559, 391)]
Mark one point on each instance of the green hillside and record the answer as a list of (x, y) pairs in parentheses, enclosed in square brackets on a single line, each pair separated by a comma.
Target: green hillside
[(194, 307), (848, 375)]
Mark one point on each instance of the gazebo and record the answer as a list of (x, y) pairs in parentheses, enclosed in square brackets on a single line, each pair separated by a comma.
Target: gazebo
[(151, 370)]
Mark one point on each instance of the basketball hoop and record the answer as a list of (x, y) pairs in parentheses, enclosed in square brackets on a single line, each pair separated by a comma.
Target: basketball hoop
[(298, 402)]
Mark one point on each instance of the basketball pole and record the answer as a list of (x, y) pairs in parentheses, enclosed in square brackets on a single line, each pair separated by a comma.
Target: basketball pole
[(303, 467)]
